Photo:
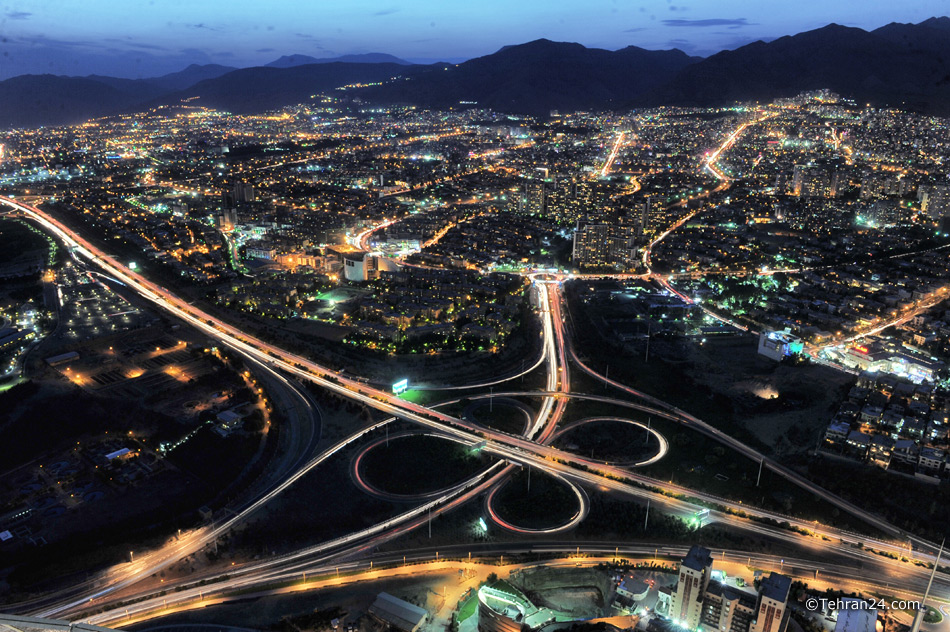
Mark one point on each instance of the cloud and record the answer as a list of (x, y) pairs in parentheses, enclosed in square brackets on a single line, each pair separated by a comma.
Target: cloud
[(41, 40), (195, 53), (312, 42), (735, 23), (202, 25), (18, 15), (115, 57), (264, 50), (389, 11), (126, 42), (635, 29)]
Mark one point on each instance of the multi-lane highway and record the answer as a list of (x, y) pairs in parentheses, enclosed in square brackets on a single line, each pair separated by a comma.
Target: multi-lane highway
[(320, 574)]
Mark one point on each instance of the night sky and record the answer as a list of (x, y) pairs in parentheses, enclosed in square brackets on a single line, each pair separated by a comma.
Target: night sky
[(135, 38)]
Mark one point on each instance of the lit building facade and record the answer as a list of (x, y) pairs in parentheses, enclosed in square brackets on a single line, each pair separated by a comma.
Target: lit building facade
[(702, 603)]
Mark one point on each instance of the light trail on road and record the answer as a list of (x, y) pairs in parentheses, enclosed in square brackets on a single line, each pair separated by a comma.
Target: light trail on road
[(374, 491), (612, 156), (725, 182), (663, 444), (400, 563), (583, 507)]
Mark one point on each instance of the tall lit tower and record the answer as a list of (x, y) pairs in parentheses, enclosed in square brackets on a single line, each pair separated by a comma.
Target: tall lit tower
[(687, 603)]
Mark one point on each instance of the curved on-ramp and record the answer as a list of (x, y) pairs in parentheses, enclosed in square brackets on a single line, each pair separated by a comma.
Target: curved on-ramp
[(372, 490), (583, 507), (664, 444)]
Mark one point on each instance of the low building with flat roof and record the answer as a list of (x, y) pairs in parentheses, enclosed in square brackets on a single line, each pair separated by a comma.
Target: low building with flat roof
[(633, 588), (398, 613), (62, 358), (777, 345)]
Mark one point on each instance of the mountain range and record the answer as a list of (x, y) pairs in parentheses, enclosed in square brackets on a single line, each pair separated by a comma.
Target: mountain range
[(537, 77), (904, 65), (288, 61)]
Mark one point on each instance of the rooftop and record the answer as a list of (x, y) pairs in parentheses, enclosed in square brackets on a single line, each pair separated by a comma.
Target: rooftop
[(776, 586), (397, 612), (698, 558), (863, 620)]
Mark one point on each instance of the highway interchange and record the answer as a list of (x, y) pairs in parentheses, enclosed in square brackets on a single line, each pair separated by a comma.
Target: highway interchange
[(533, 449)]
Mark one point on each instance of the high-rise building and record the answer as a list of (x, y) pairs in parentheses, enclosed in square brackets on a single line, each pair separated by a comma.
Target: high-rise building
[(686, 606), (241, 192), (592, 197), (244, 192), (600, 244), (771, 613), (534, 197), (703, 603), (876, 184), (622, 244), (562, 202), (781, 182), (644, 209), (935, 200), (531, 198), (226, 219), (590, 244), (815, 181)]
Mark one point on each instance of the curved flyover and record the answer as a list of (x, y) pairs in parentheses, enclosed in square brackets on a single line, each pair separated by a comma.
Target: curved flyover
[(664, 444), (372, 490), (583, 507)]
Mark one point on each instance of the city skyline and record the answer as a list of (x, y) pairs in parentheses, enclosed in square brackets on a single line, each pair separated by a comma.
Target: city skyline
[(561, 338), (716, 222), (138, 39)]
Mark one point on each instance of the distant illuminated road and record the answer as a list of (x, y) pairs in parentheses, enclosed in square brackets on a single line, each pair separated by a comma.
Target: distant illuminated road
[(925, 303), (709, 164), (612, 156), (361, 240)]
